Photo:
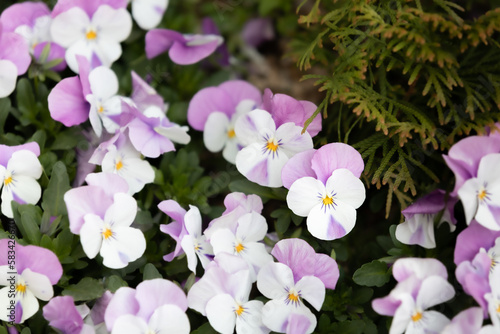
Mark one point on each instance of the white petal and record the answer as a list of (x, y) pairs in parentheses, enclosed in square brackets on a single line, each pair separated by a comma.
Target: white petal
[(129, 324), (69, 27), (250, 127), (108, 51), (275, 315), (169, 319), (260, 166), (348, 188), (25, 188), (272, 280), (215, 133), (38, 284), (223, 240), (8, 77), (329, 223), (251, 319), (231, 150), (5, 304), (221, 313), (251, 227), (204, 249), (488, 216), (25, 163), (123, 210), (304, 194), (126, 245), (103, 83), (192, 221), (468, 196), (7, 202), (112, 106), (177, 134), (418, 230), (148, 13), (137, 173), (293, 141), (80, 47), (187, 244), (113, 24), (95, 121), (29, 305), (256, 255), (91, 234), (433, 291), (434, 322), (402, 316), (488, 168), (312, 289)]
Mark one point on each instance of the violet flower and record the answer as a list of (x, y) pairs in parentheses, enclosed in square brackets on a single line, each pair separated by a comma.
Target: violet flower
[(63, 315), (14, 60), (418, 227), (182, 49), (156, 306), (32, 21), (257, 31), (36, 270)]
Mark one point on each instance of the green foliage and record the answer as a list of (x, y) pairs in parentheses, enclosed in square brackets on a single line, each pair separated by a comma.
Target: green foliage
[(420, 75), (374, 273)]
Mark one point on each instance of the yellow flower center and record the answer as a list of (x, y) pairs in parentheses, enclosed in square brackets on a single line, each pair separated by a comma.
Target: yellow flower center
[(498, 308), (21, 288), (239, 247), (239, 310), (119, 165), (327, 200), (100, 109), (231, 133), (107, 233), (482, 194), (8, 181), (91, 34), (293, 297), (271, 145), (416, 317)]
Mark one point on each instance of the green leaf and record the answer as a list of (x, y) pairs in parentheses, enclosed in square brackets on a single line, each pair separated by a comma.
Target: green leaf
[(249, 187), (26, 330), (30, 219), (374, 273), (204, 329), (3, 330), (53, 197), (114, 282), (26, 98), (150, 272), (87, 289), (4, 112), (67, 139)]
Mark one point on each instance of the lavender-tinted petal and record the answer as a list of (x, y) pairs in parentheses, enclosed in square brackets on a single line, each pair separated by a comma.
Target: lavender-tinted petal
[(316, 125), (7, 151), (298, 255), (467, 321), (298, 166), (144, 95), (99, 308), (39, 260), (123, 302), (67, 104), (418, 267), (108, 182), (473, 276), (283, 108), (89, 6), (257, 30), (14, 48), (22, 14), (154, 293), (62, 314), (186, 54), (240, 90), (334, 156), (327, 270), (147, 141), (159, 41), (206, 101), (471, 240), (429, 204)]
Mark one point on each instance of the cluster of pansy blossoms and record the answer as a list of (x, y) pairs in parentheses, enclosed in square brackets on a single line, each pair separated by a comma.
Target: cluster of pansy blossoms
[(103, 244)]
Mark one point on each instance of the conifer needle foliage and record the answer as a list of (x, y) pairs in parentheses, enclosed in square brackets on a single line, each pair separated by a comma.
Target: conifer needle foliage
[(419, 74)]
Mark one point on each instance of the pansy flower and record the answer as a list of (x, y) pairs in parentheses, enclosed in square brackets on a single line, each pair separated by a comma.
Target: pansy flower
[(63, 315), (19, 170), (182, 49), (267, 147), (148, 13), (91, 29), (37, 269), (325, 187)]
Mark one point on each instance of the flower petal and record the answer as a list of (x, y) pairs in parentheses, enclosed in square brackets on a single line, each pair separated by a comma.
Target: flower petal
[(215, 134), (8, 77), (331, 223), (126, 245), (169, 319), (221, 313), (91, 235), (304, 195), (272, 280), (349, 189), (123, 210), (297, 167), (336, 155)]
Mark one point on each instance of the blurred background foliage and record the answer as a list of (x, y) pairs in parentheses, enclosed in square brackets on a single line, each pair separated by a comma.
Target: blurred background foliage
[(399, 80)]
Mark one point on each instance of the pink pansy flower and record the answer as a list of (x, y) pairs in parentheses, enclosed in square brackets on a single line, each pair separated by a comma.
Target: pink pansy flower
[(493, 299), (301, 258), (464, 157), (148, 13), (151, 132), (155, 306), (63, 315), (467, 321), (480, 195), (418, 227), (182, 49), (176, 229), (325, 187), (284, 109), (215, 111), (246, 242), (267, 147), (19, 170), (14, 60), (36, 270), (32, 21), (222, 294), (276, 282), (90, 31)]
